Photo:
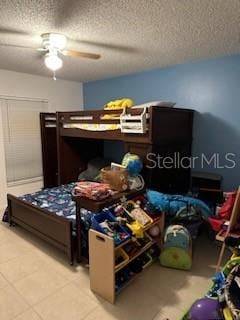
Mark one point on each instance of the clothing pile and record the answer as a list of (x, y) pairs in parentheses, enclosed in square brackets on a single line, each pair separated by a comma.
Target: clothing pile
[(224, 212), (92, 190)]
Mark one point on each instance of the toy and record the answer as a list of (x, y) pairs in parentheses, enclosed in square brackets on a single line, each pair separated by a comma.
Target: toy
[(133, 209), (136, 228), (154, 231), (218, 285), (111, 229), (119, 104), (204, 309), (232, 291), (226, 285), (133, 163), (227, 314)]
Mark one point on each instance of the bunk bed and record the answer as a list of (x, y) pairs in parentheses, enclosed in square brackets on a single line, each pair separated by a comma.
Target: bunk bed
[(74, 138), (166, 132)]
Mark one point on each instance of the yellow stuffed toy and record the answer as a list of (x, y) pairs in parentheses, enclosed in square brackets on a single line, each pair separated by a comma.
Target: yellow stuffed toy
[(119, 104)]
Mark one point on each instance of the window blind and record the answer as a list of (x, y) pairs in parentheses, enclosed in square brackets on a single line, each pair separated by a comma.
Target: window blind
[(22, 138)]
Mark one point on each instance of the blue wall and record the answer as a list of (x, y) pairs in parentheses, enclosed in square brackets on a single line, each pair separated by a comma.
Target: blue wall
[(211, 87)]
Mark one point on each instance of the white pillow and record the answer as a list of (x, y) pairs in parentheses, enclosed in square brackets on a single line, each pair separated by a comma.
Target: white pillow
[(155, 103)]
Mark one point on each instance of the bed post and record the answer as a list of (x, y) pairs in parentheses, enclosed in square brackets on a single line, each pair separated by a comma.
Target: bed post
[(9, 211), (78, 230), (71, 247)]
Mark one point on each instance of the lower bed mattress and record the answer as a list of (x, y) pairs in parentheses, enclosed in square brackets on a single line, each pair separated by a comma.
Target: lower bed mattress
[(57, 200)]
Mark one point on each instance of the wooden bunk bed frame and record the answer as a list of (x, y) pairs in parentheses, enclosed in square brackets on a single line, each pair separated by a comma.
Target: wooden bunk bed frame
[(169, 130), (49, 149)]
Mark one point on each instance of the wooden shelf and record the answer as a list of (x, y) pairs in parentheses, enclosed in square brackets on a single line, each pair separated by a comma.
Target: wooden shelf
[(102, 261), (131, 280), (156, 221), (123, 244), (222, 234), (146, 247), (141, 251)]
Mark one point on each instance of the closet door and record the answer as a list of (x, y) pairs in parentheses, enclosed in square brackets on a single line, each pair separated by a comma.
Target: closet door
[(49, 149)]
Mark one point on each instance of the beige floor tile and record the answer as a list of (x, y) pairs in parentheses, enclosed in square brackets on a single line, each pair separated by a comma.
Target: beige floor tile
[(22, 266), (68, 303), (57, 291), (22, 236), (60, 264), (3, 281), (11, 250), (11, 303), (101, 313), (28, 315), (132, 303), (3, 225), (4, 236), (83, 282), (49, 253), (167, 313), (39, 285)]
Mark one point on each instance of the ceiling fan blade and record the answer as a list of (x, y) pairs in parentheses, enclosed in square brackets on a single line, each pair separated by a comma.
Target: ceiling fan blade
[(17, 46), (78, 54), (108, 46), (11, 31), (42, 49)]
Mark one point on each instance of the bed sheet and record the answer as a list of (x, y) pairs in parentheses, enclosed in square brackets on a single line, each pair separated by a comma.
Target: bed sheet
[(57, 200)]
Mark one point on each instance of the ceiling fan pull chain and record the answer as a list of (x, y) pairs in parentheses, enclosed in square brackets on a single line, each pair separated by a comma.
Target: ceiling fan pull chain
[(54, 76)]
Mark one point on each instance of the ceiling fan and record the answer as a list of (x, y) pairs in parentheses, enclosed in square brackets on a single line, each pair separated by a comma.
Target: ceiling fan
[(53, 46)]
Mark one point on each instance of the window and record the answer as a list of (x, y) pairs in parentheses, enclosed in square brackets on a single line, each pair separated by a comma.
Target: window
[(22, 139)]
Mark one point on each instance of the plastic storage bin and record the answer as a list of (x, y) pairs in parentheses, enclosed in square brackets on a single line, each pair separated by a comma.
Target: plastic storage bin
[(138, 214), (120, 253), (106, 215), (148, 260)]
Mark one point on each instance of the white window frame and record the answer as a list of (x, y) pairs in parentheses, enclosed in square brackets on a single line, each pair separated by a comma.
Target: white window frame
[(3, 99)]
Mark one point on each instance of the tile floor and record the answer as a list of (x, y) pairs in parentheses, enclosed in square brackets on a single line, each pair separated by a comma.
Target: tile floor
[(36, 283)]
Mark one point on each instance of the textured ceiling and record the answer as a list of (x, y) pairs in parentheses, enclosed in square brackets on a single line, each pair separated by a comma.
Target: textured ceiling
[(131, 35)]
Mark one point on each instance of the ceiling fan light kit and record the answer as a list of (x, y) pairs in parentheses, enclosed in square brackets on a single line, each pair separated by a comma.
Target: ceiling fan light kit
[(54, 40), (53, 46), (52, 61)]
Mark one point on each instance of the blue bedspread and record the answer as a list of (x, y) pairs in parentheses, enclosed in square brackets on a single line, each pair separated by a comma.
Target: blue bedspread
[(57, 200)]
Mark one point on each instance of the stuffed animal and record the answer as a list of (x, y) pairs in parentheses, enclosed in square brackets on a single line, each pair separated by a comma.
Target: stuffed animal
[(133, 163), (119, 104)]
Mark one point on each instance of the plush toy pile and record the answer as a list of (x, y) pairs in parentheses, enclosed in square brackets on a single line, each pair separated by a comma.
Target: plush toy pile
[(119, 104)]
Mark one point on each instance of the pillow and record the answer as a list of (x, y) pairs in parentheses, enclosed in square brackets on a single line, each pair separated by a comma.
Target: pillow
[(155, 103)]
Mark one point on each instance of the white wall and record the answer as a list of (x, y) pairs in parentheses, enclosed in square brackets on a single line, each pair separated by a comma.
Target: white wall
[(62, 96)]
